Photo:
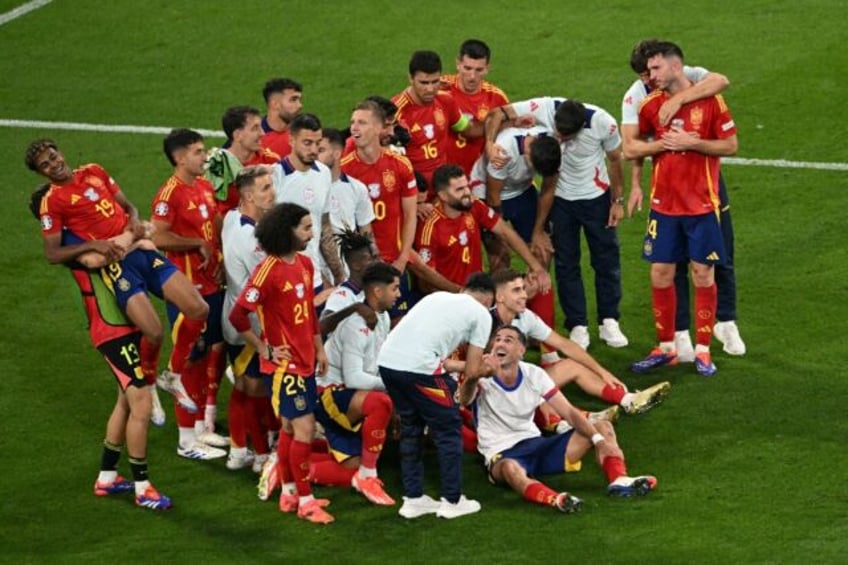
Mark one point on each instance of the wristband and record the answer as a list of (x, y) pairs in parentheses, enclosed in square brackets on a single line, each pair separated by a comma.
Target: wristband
[(270, 351), (597, 438), (619, 200)]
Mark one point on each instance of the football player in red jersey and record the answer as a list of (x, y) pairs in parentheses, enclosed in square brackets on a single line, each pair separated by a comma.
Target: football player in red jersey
[(243, 127), (684, 201), (187, 228), (284, 99), (90, 205), (118, 340), (290, 348), (450, 242), (475, 98), (429, 115)]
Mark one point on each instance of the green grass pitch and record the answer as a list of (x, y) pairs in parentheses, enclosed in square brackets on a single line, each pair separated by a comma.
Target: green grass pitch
[(751, 463)]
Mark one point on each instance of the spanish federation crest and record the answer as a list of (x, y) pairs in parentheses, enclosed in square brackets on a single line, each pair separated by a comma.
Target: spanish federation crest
[(696, 117), (648, 249), (123, 284), (389, 180), (439, 117), (300, 402)]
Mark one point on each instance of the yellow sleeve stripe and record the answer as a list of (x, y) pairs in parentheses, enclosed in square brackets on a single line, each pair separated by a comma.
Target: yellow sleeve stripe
[(263, 271)]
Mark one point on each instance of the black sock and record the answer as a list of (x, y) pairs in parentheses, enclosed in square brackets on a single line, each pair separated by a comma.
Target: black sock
[(139, 469), (110, 457)]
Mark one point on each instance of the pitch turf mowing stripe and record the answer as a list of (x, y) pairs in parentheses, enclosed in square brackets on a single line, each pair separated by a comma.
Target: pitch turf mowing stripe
[(22, 10), (107, 128)]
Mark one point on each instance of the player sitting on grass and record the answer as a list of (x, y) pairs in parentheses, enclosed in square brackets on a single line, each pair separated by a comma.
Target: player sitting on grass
[(513, 446)]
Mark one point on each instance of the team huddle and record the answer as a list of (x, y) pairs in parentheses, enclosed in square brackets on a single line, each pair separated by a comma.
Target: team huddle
[(336, 278)]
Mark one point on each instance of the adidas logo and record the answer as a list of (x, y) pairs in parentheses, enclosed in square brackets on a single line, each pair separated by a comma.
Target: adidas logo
[(712, 256)]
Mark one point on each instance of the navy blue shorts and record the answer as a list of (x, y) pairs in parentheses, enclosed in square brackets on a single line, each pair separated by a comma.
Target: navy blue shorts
[(343, 437), (407, 299), (670, 239), (244, 360), (543, 455), (292, 396), (140, 271), (213, 332)]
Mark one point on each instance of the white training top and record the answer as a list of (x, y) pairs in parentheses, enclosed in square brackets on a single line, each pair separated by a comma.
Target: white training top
[(532, 325), (432, 330), (352, 353), (310, 189), (242, 253), (638, 91), (350, 205), (505, 414), (517, 174), (583, 174), (343, 296)]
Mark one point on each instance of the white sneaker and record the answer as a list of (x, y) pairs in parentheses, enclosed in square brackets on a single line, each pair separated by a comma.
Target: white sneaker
[(259, 462), (461, 507), (580, 336), (611, 333), (683, 346), (157, 415), (172, 382), (269, 479), (728, 334), (213, 439), (420, 506), (200, 451), (239, 458)]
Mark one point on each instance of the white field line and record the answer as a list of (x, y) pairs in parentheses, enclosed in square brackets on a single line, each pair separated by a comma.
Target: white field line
[(22, 10), (106, 128)]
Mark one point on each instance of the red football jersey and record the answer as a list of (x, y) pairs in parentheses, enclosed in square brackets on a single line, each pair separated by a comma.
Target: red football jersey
[(462, 151), (452, 246), (86, 206), (429, 127), (388, 180), (261, 157), (191, 211), (278, 142), (685, 183), (281, 295)]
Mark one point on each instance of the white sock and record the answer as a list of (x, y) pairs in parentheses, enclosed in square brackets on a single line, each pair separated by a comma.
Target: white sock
[(107, 477), (199, 427), (365, 472), (140, 487), (238, 452), (289, 488), (702, 349), (303, 500), (627, 400), (187, 437), (667, 346)]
